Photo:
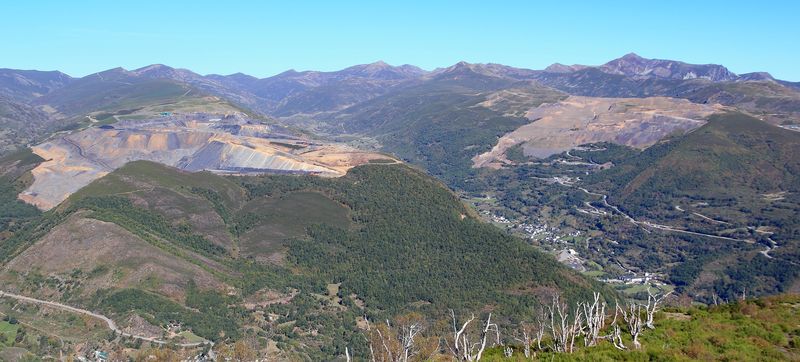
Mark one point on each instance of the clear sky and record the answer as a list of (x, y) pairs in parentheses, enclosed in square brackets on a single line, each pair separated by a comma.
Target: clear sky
[(263, 38)]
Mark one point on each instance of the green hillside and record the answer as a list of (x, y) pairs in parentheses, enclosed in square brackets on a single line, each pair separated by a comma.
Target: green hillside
[(441, 124), (735, 177), (389, 238)]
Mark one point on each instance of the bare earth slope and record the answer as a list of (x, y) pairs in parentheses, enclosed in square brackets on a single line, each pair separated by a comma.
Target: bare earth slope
[(84, 243), (230, 145), (635, 122)]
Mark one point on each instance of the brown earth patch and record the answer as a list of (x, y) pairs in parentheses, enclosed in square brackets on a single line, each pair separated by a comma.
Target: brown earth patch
[(561, 126)]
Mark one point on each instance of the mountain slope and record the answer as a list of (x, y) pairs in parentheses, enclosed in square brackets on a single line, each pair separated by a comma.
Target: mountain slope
[(22, 124), (736, 177), (775, 101), (27, 85), (632, 65), (444, 121), (152, 240), (310, 92)]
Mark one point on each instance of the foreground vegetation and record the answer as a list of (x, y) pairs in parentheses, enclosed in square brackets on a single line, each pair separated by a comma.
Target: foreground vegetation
[(744, 330)]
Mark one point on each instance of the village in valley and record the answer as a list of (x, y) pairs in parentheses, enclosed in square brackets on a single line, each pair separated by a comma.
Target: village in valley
[(566, 244)]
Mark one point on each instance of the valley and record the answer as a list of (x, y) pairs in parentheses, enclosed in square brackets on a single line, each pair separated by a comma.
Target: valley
[(284, 216)]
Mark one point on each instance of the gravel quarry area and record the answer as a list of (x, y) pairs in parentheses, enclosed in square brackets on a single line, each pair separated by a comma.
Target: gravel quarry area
[(231, 144), (634, 122)]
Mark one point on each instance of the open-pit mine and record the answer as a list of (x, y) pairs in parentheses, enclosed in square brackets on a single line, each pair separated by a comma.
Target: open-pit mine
[(232, 144), (564, 125)]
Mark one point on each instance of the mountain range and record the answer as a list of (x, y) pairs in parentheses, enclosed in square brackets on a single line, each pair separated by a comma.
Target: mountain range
[(292, 209)]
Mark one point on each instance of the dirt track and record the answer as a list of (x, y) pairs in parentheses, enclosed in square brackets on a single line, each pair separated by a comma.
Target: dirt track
[(110, 323)]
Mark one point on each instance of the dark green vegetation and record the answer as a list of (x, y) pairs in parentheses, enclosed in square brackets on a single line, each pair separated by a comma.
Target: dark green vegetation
[(391, 238), (18, 220), (415, 243), (441, 124), (744, 177), (281, 258), (110, 91), (734, 161), (14, 178), (206, 312), (735, 177)]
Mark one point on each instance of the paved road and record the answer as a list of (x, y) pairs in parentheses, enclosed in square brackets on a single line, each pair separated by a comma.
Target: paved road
[(654, 225), (109, 322)]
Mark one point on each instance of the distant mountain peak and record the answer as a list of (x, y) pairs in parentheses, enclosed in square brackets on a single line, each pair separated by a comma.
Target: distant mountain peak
[(632, 56), (633, 65), (762, 76), (152, 67), (382, 70), (462, 65), (563, 68), (153, 70)]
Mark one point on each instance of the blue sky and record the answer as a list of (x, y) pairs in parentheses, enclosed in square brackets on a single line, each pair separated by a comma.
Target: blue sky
[(263, 38)]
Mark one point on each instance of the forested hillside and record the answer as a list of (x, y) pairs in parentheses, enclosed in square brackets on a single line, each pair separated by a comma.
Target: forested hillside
[(391, 240)]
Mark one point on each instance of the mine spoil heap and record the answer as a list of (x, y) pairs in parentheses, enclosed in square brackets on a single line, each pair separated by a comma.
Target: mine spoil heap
[(231, 144)]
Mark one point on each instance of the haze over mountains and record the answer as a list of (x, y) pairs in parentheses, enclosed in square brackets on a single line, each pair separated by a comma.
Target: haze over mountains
[(286, 209)]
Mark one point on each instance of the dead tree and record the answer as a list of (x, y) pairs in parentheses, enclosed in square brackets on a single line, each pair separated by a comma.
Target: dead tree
[(633, 318), (541, 326), (595, 316), (562, 331), (616, 332), (508, 351), (525, 338), (653, 301), (463, 347), (398, 343)]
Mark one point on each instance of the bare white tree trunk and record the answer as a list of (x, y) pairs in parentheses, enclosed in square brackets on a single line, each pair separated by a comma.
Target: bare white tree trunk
[(508, 351), (576, 329), (408, 334), (653, 302), (633, 318), (490, 327), (540, 328), (460, 344), (462, 348), (526, 341), (616, 332), (398, 344), (595, 316), (562, 331)]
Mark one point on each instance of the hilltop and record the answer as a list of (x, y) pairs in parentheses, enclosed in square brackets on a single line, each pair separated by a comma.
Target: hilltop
[(153, 240)]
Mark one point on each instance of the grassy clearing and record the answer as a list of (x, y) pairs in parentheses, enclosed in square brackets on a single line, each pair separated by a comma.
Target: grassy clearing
[(190, 337), (8, 332)]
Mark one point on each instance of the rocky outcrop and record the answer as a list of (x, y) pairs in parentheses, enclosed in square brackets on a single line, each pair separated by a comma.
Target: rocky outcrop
[(229, 145)]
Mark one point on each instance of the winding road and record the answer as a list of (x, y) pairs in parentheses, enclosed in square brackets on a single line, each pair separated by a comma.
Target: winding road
[(110, 323)]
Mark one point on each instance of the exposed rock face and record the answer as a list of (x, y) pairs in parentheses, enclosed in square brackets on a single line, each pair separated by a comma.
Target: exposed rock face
[(633, 65), (232, 146), (635, 122)]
